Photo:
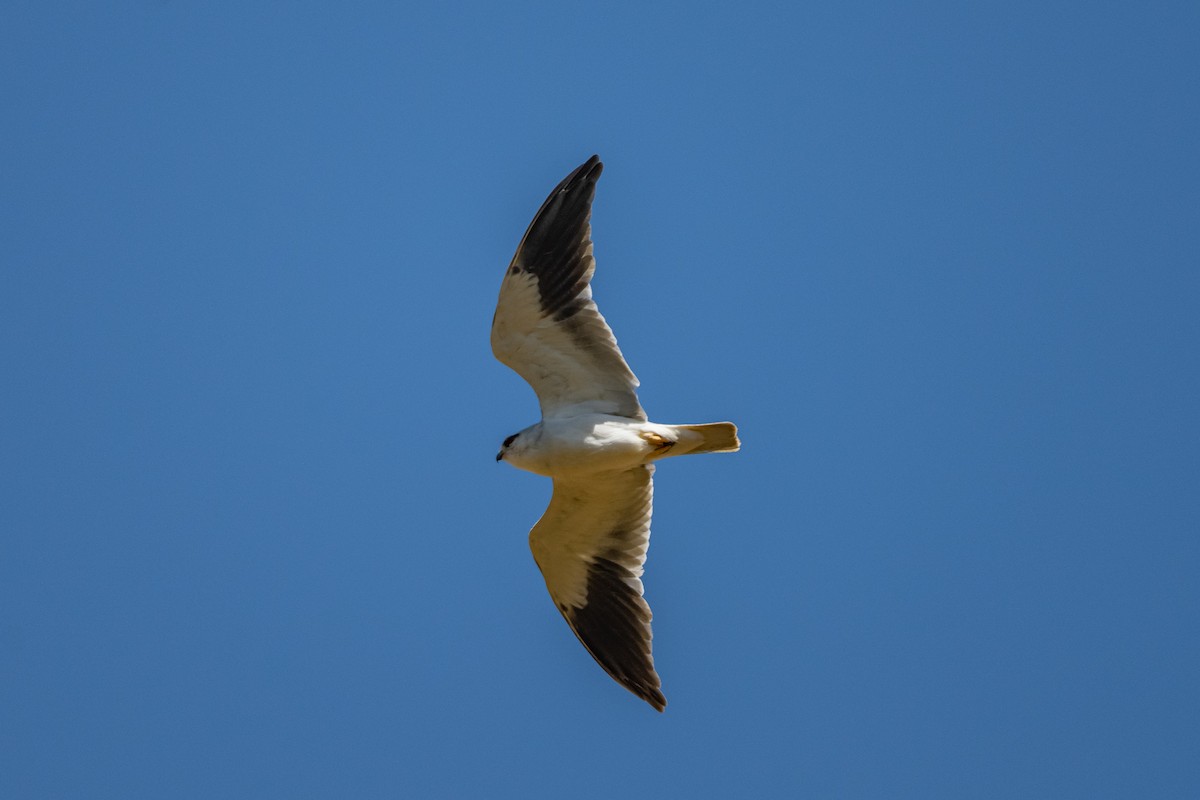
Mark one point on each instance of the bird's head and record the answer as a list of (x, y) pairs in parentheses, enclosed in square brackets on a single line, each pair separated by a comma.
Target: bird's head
[(504, 447)]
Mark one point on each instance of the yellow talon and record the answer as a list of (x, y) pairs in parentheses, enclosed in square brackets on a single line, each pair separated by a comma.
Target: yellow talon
[(657, 441)]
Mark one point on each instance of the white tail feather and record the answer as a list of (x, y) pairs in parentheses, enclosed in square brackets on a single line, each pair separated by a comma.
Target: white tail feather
[(713, 437)]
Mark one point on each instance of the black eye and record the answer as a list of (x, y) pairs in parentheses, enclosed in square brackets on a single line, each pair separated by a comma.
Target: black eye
[(509, 440)]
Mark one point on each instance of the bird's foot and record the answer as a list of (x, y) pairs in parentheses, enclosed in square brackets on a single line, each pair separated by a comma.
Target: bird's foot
[(661, 444)]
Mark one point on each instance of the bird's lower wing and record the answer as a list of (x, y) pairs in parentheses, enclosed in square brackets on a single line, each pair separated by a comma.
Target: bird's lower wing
[(591, 546)]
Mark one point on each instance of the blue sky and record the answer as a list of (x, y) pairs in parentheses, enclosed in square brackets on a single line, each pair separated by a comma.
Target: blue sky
[(939, 261)]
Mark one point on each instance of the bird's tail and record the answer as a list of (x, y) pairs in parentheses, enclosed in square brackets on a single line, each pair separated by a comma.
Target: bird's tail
[(713, 437)]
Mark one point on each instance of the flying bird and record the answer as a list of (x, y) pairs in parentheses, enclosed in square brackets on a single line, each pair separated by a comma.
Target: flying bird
[(594, 439)]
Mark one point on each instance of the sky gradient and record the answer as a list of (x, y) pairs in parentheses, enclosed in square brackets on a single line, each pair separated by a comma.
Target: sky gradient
[(940, 263)]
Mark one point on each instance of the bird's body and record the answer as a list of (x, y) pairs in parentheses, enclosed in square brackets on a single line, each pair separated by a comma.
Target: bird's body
[(577, 446), (561, 447), (594, 439)]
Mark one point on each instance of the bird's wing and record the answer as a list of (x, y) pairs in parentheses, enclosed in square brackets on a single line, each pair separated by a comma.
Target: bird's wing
[(547, 327), (590, 546)]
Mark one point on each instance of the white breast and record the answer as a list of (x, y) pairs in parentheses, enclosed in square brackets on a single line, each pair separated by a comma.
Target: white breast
[(581, 445)]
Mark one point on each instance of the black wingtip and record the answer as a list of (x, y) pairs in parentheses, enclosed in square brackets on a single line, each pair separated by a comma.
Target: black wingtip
[(567, 207), (586, 173), (653, 696), (592, 167), (555, 246), (613, 625)]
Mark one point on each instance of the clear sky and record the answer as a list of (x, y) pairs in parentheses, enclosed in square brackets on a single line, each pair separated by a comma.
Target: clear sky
[(939, 261)]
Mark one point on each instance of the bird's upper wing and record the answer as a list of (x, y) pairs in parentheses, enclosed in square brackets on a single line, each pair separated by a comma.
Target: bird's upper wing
[(590, 546), (547, 327)]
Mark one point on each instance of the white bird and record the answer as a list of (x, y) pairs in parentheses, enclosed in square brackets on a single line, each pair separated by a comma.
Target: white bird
[(594, 439)]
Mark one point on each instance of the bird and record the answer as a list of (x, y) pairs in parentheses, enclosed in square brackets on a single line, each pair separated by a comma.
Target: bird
[(594, 439)]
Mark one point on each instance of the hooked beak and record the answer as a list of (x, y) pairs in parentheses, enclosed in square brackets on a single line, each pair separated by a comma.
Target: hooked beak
[(500, 456)]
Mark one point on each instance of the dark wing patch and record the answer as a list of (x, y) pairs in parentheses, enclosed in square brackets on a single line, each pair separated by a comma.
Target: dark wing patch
[(555, 247), (614, 626)]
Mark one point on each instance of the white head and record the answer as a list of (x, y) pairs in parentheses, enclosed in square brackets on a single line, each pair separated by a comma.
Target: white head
[(508, 442), (521, 446)]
